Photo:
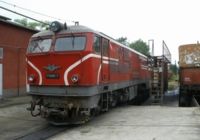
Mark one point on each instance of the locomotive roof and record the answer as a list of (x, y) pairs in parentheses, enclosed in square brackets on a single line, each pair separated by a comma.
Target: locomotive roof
[(70, 29), (78, 29)]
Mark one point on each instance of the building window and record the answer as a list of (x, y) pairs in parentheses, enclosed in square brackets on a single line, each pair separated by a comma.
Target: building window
[(1, 53)]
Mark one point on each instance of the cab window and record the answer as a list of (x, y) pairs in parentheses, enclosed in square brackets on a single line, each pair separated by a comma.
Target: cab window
[(39, 45), (105, 47), (96, 44), (74, 43)]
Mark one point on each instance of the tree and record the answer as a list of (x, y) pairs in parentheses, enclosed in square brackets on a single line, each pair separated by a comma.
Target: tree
[(140, 46), (174, 68), (33, 25), (23, 22), (123, 40)]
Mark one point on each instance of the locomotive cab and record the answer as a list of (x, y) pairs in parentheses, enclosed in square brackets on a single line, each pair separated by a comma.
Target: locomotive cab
[(51, 54)]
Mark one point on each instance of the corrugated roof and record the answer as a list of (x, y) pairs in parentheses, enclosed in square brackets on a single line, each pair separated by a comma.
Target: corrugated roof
[(4, 18)]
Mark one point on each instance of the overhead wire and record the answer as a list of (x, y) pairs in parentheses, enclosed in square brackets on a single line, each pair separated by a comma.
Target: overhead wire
[(23, 15), (38, 13)]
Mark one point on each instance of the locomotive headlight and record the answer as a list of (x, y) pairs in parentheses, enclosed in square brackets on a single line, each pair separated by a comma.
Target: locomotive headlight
[(31, 78), (56, 26), (75, 78)]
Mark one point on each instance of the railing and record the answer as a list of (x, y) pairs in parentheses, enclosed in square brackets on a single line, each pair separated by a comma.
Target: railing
[(165, 52)]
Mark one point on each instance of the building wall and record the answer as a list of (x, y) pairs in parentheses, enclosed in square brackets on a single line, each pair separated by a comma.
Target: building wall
[(14, 41)]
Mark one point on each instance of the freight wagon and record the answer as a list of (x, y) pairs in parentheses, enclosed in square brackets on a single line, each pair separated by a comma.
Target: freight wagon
[(189, 73)]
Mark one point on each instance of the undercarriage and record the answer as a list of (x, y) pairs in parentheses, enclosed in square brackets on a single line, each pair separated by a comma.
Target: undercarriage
[(63, 110)]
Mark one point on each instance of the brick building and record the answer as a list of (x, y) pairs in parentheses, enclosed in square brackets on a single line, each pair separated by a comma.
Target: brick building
[(13, 43)]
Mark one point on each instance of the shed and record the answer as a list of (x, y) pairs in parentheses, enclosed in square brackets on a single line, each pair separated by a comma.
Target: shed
[(13, 43)]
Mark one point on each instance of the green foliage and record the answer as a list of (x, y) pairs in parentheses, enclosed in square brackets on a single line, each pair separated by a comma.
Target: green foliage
[(173, 77), (174, 68), (23, 22), (123, 40), (32, 25), (173, 82), (140, 46)]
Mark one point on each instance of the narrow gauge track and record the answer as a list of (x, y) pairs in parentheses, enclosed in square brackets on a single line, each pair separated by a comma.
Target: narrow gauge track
[(44, 133)]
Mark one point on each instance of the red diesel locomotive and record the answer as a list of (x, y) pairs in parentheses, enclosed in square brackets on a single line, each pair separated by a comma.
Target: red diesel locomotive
[(75, 72)]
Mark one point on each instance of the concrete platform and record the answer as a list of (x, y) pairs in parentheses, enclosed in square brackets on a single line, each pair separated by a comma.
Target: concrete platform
[(139, 123), (15, 120), (12, 101), (147, 122)]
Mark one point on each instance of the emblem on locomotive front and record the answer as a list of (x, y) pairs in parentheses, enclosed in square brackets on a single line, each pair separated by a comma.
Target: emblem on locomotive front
[(51, 68)]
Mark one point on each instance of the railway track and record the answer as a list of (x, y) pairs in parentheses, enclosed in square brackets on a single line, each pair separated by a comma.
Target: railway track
[(49, 131), (43, 133), (196, 101)]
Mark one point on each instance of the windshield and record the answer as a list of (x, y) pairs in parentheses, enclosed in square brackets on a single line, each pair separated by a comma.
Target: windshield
[(74, 43), (38, 46)]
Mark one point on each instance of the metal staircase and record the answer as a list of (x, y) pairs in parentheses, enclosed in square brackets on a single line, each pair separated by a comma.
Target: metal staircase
[(159, 73), (157, 79), (105, 101)]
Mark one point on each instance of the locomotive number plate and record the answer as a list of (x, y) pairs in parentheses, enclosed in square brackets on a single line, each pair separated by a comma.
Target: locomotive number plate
[(52, 75)]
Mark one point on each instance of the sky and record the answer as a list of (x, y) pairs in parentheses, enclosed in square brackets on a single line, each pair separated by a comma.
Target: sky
[(177, 22)]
